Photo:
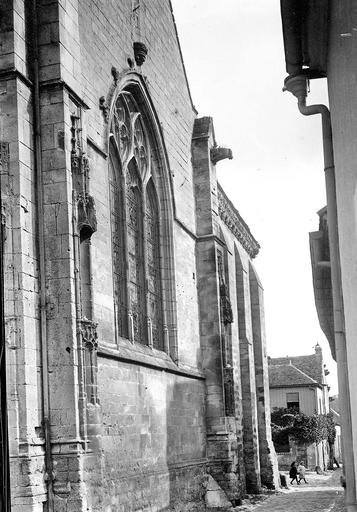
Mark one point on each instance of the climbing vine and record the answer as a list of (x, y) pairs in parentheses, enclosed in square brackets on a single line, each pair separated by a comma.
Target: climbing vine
[(303, 428)]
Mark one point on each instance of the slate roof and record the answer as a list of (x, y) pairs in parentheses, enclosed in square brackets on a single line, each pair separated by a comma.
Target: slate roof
[(287, 375)]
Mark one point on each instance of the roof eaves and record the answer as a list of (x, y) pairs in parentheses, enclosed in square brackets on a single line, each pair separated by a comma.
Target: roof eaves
[(280, 386), (305, 34)]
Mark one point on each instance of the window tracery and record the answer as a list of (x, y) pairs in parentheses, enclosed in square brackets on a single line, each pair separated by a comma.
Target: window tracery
[(118, 245), (153, 267), (135, 255), (135, 218)]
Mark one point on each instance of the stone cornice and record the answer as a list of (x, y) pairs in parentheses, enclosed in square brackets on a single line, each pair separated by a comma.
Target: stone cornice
[(234, 222)]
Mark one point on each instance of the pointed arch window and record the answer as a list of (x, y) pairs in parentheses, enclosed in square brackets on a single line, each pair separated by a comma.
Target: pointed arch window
[(135, 221)]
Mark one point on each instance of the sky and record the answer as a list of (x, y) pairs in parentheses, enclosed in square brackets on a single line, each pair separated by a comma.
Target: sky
[(234, 58)]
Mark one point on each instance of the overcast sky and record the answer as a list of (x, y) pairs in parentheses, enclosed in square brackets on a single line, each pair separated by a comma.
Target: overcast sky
[(234, 58)]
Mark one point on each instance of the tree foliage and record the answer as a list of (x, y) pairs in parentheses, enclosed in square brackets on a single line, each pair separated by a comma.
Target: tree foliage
[(303, 428)]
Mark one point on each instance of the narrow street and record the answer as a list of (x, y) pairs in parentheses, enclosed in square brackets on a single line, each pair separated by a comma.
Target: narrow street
[(322, 493)]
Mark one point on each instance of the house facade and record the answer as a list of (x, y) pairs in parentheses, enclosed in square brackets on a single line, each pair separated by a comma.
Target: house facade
[(299, 383), (133, 360), (320, 42)]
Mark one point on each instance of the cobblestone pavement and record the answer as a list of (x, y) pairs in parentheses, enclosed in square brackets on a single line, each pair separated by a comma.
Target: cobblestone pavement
[(322, 493)]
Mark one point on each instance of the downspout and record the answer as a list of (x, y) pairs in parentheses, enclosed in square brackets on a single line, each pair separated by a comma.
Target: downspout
[(297, 85), (42, 267)]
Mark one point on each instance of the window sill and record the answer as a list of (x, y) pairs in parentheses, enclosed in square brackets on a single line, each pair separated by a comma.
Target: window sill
[(143, 355)]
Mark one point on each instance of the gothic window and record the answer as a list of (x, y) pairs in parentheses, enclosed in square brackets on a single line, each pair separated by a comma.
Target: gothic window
[(135, 220)]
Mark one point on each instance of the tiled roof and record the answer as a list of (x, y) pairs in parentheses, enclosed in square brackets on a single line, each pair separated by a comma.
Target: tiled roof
[(287, 375), (311, 365)]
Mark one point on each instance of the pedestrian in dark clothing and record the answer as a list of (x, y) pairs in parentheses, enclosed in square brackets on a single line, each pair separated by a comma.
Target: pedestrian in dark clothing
[(293, 473)]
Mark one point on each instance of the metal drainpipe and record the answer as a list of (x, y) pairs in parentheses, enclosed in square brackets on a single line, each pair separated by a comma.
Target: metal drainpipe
[(298, 87), (42, 266)]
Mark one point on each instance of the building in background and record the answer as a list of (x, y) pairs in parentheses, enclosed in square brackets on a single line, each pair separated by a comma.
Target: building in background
[(136, 371), (320, 41), (299, 383), (335, 410), (321, 278)]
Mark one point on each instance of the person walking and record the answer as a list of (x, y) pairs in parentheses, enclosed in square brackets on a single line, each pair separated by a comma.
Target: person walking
[(301, 471), (293, 473)]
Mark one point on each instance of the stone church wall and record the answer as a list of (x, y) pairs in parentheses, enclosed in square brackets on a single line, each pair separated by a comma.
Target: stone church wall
[(97, 421)]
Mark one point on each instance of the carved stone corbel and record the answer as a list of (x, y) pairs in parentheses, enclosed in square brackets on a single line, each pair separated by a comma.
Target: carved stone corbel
[(103, 106), (218, 153)]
